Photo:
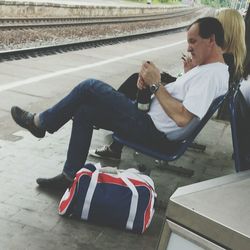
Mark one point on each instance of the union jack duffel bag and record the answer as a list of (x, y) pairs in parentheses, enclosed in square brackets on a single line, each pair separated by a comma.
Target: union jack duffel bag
[(108, 196)]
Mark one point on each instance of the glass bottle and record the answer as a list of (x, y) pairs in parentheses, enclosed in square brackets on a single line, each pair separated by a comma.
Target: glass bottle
[(143, 99)]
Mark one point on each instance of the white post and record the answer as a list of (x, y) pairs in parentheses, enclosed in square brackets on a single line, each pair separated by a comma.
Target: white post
[(240, 5)]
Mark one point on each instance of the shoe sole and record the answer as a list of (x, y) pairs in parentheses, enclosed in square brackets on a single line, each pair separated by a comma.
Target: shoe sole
[(92, 153)]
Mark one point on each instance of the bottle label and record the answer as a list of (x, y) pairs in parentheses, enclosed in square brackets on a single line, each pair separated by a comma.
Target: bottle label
[(143, 107)]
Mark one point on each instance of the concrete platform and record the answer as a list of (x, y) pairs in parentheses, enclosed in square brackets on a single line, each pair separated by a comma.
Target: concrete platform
[(28, 215)]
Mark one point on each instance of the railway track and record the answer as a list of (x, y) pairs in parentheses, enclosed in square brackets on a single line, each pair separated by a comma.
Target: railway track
[(31, 23), (61, 47)]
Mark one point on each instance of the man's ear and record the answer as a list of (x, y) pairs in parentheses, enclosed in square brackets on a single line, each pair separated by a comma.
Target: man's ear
[(212, 40)]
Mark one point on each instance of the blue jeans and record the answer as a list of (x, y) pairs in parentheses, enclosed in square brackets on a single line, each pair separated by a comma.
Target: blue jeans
[(95, 103)]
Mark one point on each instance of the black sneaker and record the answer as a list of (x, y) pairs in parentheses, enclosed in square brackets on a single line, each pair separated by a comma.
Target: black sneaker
[(106, 153), (58, 182), (26, 120)]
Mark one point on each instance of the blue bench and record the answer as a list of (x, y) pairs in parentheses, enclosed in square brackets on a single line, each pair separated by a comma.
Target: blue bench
[(240, 129), (180, 146)]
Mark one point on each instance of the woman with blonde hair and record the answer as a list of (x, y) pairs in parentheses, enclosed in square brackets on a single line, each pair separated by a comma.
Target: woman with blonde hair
[(234, 42), (234, 49)]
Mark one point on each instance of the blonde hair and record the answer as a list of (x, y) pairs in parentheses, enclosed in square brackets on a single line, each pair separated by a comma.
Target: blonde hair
[(234, 37)]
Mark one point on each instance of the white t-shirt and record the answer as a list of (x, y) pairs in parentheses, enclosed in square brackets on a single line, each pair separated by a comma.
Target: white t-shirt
[(245, 89), (196, 89)]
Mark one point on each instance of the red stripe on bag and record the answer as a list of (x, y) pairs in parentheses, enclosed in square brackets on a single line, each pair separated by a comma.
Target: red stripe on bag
[(65, 203), (70, 193), (147, 215), (107, 178)]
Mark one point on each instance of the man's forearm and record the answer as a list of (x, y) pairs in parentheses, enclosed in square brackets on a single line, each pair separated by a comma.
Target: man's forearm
[(173, 108)]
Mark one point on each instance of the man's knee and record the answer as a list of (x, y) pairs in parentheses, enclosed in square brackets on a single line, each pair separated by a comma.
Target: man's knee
[(94, 85), (88, 83)]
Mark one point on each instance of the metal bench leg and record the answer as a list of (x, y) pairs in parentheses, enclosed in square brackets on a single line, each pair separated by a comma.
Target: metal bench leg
[(197, 147), (177, 169), (163, 165)]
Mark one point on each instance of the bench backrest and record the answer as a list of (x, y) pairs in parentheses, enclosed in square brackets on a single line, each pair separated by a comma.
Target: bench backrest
[(185, 143), (240, 128)]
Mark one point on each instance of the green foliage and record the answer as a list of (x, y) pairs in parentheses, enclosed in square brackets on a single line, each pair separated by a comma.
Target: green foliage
[(216, 3), (156, 1), (212, 3), (166, 1)]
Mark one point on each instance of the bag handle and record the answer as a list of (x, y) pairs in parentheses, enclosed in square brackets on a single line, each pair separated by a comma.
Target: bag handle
[(133, 203), (91, 190), (89, 194)]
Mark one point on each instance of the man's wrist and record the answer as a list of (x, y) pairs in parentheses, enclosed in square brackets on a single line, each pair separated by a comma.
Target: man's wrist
[(154, 87)]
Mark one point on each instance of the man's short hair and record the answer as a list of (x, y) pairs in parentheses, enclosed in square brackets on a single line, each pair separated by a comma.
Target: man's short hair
[(209, 26)]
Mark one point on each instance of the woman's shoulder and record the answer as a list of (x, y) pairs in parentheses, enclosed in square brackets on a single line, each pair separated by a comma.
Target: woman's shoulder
[(229, 59)]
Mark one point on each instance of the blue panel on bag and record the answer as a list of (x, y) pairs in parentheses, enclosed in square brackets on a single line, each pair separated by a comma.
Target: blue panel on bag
[(80, 195), (114, 201), (142, 206), (111, 205)]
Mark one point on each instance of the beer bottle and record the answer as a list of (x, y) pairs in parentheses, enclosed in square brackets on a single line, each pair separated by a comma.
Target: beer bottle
[(143, 99)]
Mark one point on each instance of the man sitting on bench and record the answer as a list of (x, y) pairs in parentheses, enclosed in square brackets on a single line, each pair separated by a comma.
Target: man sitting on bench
[(95, 103)]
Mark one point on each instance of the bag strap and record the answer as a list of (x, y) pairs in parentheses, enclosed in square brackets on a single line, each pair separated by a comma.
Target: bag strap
[(134, 201), (89, 194), (90, 191), (135, 174)]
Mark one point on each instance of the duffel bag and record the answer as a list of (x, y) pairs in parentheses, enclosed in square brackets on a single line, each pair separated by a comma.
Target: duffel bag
[(108, 196)]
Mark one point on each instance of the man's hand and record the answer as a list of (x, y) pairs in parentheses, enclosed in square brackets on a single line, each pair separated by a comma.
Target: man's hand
[(140, 83), (187, 63), (148, 75)]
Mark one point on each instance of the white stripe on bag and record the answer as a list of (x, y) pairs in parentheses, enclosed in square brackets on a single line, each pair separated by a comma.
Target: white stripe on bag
[(89, 195), (134, 201)]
